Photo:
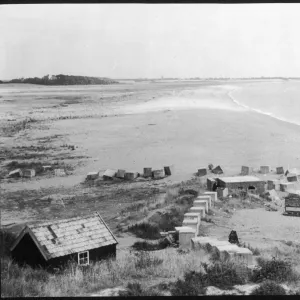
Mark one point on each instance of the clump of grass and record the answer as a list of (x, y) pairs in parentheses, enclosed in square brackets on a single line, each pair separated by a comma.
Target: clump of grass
[(275, 269), (145, 261), (145, 230), (269, 288)]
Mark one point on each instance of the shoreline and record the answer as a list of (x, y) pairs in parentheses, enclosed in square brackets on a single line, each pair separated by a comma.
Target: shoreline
[(271, 115)]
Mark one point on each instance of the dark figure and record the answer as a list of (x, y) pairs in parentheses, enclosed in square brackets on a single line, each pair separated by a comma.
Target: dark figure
[(233, 238)]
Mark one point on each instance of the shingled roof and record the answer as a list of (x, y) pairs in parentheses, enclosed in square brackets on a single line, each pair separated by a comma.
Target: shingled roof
[(63, 237)]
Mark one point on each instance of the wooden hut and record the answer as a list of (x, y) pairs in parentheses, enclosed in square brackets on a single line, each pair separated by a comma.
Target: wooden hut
[(245, 170), (147, 172), (15, 173), (169, 170), (202, 172), (131, 175), (109, 174), (29, 173), (92, 175), (120, 173), (217, 170), (264, 169), (292, 177), (157, 174), (54, 243), (279, 170)]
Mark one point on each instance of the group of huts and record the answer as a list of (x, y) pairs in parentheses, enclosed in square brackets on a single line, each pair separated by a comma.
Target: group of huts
[(29, 173), (289, 180), (111, 174)]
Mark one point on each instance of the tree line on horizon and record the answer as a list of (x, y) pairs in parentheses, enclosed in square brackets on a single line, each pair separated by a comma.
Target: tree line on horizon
[(62, 79)]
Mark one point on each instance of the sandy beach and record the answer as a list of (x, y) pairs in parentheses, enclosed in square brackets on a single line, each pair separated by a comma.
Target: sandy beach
[(188, 125)]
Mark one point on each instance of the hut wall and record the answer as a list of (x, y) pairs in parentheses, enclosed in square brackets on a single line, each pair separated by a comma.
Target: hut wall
[(26, 252), (94, 255), (259, 185), (210, 182)]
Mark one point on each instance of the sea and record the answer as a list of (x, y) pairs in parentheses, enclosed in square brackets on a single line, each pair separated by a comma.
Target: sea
[(279, 99)]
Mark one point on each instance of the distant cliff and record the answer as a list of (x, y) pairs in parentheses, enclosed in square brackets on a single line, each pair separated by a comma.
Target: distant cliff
[(64, 80)]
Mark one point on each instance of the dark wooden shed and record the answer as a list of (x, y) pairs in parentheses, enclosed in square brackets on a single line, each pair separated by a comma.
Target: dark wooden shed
[(54, 243)]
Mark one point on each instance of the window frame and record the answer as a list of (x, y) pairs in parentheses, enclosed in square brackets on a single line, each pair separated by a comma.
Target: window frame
[(88, 258)]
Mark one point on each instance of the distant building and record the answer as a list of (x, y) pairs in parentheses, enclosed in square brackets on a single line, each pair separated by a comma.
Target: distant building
[(241, 182), (54, 243)]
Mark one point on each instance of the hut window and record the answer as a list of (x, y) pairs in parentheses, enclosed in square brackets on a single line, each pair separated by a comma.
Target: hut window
[(83, 258)]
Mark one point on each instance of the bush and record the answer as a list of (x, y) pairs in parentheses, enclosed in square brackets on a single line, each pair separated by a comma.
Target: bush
[(269, 288), (189, 286), (171, 194), (275, 269), (146, 246), (145, 230), (185, 200), (220, 274), (172, 218)]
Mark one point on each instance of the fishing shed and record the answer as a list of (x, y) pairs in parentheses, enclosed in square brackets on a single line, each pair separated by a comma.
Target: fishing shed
[(54, 243)]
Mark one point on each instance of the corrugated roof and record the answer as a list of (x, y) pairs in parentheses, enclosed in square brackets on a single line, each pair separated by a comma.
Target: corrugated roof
[(64, 237), (240, 179)]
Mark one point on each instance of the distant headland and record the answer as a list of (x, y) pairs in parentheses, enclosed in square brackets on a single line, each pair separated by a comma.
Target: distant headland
[(62, 79)]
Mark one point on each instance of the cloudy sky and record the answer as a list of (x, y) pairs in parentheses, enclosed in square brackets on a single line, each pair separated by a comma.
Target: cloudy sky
[(142, 40)]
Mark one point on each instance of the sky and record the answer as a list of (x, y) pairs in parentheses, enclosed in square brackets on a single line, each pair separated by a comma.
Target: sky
[(150, 40)]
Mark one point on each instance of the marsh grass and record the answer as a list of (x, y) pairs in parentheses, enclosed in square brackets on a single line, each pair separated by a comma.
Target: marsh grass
[(15, 127)]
